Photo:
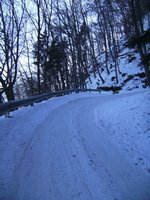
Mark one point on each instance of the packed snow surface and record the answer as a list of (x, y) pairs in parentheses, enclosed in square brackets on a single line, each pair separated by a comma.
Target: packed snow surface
[(80, 146)]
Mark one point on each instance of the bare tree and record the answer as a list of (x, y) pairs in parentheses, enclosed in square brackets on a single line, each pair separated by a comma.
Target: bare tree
[(12, 22)]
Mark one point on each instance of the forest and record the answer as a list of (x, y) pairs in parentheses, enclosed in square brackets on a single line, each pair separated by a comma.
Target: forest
[(53, 45)]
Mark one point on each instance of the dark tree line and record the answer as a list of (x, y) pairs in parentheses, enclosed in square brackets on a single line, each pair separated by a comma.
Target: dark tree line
[(49, 45)]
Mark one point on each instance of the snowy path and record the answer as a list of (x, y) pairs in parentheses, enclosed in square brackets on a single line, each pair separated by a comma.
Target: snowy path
[(71, 157)]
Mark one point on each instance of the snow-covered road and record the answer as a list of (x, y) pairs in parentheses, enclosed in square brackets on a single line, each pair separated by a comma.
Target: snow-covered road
[(69, 155)]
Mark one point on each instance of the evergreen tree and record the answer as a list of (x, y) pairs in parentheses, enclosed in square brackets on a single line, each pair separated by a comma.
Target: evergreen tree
[(55, 65)]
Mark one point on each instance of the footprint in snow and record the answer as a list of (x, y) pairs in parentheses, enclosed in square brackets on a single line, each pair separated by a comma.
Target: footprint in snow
[(91, 162)]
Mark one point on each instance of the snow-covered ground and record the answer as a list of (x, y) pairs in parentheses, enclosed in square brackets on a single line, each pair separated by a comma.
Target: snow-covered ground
[(80, 146), (129, 68)]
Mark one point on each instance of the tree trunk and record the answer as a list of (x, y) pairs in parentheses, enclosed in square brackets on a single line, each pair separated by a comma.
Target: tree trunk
[(10, 93)]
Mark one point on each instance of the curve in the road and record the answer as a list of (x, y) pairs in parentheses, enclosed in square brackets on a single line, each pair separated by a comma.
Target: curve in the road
[(70, 157)]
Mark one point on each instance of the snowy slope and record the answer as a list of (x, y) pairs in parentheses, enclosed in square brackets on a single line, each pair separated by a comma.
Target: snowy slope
[(131, 71), (128, 74), (81, 146)]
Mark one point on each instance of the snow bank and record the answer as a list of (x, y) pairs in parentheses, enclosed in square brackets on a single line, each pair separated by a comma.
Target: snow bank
[(126, 120)]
